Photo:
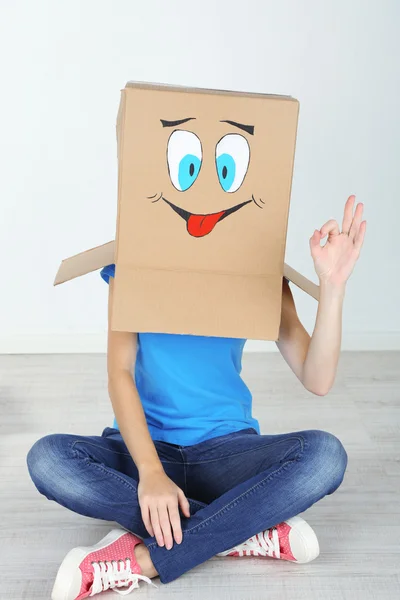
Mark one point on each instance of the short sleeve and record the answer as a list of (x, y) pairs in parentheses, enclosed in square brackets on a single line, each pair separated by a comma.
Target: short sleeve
[(108, 272)]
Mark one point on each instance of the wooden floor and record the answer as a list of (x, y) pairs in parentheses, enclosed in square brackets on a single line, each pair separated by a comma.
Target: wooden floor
[(358, 527)]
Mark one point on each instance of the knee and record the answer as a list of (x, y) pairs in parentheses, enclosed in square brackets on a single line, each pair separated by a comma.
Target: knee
[(328, 461), (43, 460)]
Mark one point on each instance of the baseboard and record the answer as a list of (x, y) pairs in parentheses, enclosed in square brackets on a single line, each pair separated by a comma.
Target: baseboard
[(85, 343), (57, 343)]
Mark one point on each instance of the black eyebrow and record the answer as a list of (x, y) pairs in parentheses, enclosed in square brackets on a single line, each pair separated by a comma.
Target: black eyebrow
[(248, 128), (174, 123)]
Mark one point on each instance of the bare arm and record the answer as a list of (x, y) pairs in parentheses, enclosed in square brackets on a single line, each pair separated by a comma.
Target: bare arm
[(128, 410), (159, 497), (314, 360)]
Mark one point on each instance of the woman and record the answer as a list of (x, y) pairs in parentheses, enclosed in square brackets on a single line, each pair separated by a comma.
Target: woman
[(187, 474)]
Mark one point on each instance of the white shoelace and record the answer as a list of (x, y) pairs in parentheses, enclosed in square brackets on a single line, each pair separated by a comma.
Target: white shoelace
[(113, 575), (258, 545)]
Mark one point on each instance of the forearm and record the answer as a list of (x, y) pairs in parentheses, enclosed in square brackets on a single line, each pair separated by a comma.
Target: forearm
[(132, 423), (320, 364)]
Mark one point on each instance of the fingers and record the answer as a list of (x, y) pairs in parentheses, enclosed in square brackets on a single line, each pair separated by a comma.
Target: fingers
[(175, 521), (315, 245), (158, 522), (162, 519), (183, 503), (165, 525), (315, 240), (146, 520), (155, 521), (355, 225), (359, 239), (330, 228), (348, 214)]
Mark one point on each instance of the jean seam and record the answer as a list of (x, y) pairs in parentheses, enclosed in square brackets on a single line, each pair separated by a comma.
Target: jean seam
[(234, 502), (201, 504), (282, 467), (108, 471), (103, 468), (275, 443), (184, 470), (170, 462), (301, 440), (86, 443)]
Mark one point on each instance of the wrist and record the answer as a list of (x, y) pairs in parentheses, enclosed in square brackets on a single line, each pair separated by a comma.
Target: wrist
[(332, 289), (151, 469)]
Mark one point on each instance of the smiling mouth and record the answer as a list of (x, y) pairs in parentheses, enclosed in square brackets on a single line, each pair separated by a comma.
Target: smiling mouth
[(201, 225)]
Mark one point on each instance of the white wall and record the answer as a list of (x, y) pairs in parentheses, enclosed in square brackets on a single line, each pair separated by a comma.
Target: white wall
[(62, 66)]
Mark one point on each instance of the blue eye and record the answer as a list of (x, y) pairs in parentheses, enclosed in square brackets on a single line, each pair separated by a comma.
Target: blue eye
[(184, 158), (226, 168), (232, 157), (188, 171)]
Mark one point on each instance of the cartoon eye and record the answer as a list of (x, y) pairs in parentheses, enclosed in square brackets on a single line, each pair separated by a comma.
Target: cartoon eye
[(184, 157), (232, 159)]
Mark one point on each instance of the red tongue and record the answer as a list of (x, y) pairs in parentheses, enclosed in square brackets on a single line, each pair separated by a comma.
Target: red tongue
[(199, 225)]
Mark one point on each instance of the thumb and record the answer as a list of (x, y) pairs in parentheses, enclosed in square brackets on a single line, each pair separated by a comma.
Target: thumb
[(315, 240), (183, 503)]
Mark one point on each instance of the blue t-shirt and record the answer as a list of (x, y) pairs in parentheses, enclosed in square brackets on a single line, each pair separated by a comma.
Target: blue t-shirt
[(190, 386)]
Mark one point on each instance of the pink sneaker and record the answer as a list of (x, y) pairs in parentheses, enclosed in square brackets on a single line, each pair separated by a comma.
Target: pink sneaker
[(109, 565), (291, 540)]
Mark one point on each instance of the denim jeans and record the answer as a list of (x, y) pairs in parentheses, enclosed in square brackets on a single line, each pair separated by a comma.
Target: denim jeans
[(237, 485)]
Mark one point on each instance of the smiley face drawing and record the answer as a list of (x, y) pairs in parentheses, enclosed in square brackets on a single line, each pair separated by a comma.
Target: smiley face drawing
[(204, 180), (184, 160)]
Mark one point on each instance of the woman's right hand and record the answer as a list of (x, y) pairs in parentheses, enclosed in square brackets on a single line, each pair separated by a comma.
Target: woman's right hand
[(159, 500)]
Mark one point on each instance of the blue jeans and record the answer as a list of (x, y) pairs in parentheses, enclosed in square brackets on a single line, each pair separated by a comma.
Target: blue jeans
[(237, 485)]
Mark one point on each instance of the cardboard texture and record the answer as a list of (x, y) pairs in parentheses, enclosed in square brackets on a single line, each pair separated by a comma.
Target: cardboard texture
[(101, 256), (204, 181)]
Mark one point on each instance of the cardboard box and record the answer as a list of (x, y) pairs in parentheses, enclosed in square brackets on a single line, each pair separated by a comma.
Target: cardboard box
[(203, 199)]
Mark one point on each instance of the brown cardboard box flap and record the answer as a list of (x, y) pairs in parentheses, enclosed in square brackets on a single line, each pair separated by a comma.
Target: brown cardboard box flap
[(311, 288), (85, 262), (101, 256), (215, 299)]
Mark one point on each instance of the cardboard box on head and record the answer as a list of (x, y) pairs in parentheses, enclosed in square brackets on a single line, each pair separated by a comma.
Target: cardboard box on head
[(203, 199)]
